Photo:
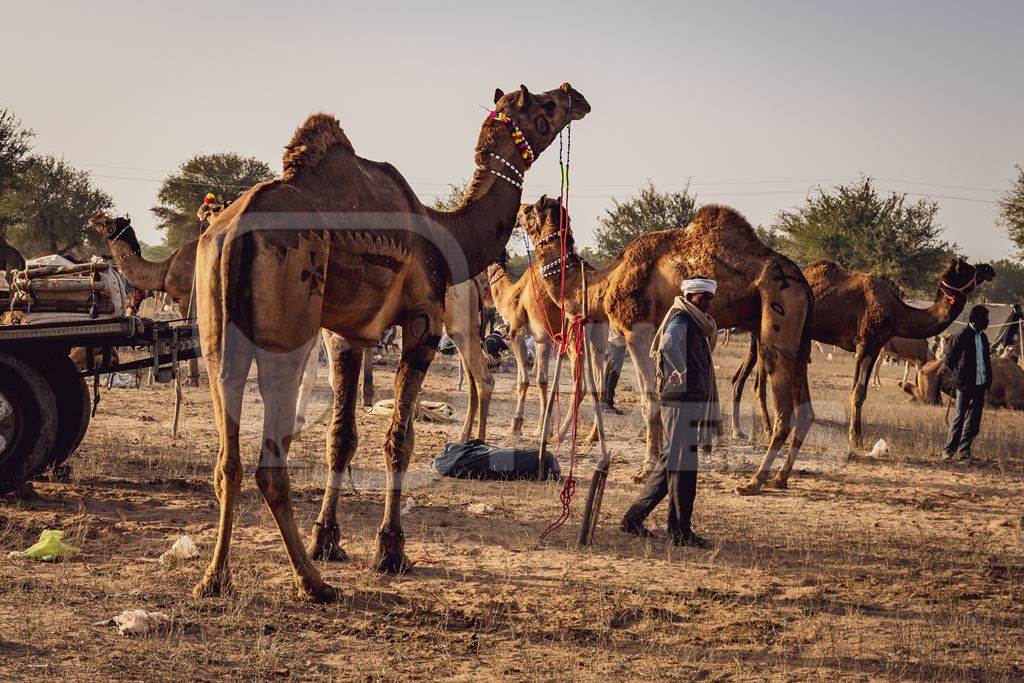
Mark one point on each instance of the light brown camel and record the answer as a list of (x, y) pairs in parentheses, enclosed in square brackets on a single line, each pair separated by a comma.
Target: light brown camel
[(529, 311), (909, 351), (342, 243), (758, 289), (1007, 390), (860, 313), (172, 275)]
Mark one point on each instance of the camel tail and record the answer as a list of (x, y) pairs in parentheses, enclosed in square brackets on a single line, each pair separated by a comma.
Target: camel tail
[(808, 330)]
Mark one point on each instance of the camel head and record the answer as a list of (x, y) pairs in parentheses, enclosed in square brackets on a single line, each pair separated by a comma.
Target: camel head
[(960, 278), (543, 220), (209, 209), (540, 116), (115, 228)]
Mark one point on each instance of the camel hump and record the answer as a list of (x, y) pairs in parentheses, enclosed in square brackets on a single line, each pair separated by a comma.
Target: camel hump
[(311, 142), (718, 216)]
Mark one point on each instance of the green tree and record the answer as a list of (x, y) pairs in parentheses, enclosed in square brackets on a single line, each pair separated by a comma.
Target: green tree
[(15, 144), (862, 230), (452, 200), (225, 175), (1011, 211), (648, 211), (1008, 287), (50, 207)]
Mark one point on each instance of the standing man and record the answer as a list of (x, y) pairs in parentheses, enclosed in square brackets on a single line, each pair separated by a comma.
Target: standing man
[(682, 350), (970, 362)]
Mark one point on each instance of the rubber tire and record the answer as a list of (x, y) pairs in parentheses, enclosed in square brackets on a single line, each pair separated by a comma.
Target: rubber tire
[(71, 395), (32, 401)]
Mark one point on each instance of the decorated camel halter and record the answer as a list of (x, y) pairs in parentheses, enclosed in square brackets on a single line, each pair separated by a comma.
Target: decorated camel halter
[(948, 288), (518, 138)]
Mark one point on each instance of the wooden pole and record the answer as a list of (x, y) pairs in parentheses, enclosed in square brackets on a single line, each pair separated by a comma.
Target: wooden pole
[(592, 509)]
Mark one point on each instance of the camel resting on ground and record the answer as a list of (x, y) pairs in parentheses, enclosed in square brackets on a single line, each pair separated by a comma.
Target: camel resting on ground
[(910, 351), (1007, 390)]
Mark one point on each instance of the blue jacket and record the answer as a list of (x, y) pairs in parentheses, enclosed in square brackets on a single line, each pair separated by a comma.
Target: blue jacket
[(962, 359)]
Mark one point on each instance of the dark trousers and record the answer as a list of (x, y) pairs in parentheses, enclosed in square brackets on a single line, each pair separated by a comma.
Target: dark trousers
[(615, 357), (967, 422), (675, 475)]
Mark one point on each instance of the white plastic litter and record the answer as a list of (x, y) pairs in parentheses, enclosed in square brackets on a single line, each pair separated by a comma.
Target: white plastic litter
[(880, 448), (480, 508), (183, 549), (138, 622)]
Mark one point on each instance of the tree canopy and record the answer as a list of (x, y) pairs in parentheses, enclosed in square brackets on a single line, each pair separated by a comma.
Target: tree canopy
[(646, 212), (1008, 286), (15, 144), (49, 208), (1011, 212), (225, 175), (864, 231)]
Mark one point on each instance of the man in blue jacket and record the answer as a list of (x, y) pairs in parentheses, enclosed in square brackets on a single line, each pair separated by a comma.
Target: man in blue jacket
[(685, 375), (970, 362)]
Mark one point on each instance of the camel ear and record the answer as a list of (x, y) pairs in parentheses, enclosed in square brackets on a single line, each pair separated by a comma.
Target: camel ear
[(498, 94), (524, 96), (540, 202)]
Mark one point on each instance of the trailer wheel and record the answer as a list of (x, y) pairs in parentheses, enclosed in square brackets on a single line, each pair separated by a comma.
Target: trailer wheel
[(28, 422), (71, 396)]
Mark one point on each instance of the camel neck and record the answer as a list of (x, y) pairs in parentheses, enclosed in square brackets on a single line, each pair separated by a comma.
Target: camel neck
[(482, 225), (919, 323), (139, 272)]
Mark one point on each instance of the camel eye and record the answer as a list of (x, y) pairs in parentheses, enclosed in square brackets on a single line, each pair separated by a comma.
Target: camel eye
[(549, 107)]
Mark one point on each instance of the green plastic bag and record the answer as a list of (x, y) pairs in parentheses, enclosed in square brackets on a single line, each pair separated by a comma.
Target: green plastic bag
[(50, 548)]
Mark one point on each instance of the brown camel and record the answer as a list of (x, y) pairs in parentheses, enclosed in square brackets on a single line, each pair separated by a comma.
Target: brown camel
[(758, 289), (909, 351), (342, 243), (173, 275), (529, 311), (1007, 390), (860, 313)]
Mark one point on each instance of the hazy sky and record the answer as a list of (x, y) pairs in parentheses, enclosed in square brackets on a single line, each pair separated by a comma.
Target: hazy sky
[(754, 102)]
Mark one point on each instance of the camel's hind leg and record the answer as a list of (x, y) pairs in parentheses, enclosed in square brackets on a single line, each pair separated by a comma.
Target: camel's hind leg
[(342, 440), (638, 342), (306, 388), (803, 413), (227, 387), (739, 379), (279, 375), (420, 339), (782, 379)]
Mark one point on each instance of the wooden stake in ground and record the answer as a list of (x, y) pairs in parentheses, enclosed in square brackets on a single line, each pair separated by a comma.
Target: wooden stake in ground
[(592, 509)]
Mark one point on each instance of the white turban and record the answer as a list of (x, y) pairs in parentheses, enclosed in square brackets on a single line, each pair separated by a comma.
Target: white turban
[(698, 285)]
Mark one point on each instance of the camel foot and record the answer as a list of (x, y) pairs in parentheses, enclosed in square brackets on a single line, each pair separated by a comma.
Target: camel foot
[(325, 543), (752, 487), (212, 586), (778, 482), (641, 475), (390, 557), (517, 426), (740, 435), (319, 592), (27, 492)]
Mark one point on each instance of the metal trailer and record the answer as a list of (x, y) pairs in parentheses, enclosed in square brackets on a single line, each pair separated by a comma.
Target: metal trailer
[(45, 401)]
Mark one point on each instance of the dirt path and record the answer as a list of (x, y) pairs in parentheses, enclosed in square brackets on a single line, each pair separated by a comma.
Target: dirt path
[(872, 567)]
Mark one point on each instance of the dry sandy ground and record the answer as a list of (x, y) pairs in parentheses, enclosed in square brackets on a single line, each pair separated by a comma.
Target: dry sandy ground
[(873, 567)]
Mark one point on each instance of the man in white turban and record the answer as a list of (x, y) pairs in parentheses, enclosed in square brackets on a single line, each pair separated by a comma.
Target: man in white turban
[(685, 386)]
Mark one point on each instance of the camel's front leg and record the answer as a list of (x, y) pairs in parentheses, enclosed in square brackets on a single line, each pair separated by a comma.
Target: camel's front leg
[(518, 343), (342, 440), (782, 378), (421, 335), (542, 355)]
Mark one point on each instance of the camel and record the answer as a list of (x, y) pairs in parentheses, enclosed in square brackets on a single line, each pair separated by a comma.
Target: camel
[(529, 311), (758, 289), (1007, 390), (916, 351), (861, 313), (341, 242)]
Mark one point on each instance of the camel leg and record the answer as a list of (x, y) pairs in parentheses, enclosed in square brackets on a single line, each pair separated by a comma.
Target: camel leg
[(803, 413), (279, 375), (598, 340), (227, 387), (638, 343), (761, 396), (522, 381), (543, 354), (782, 380), (367, 377), (739, 379), (419, 342), (309, 375), (193, 372), (906, 371), (577, 398), (342, 440), (867, 356)]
